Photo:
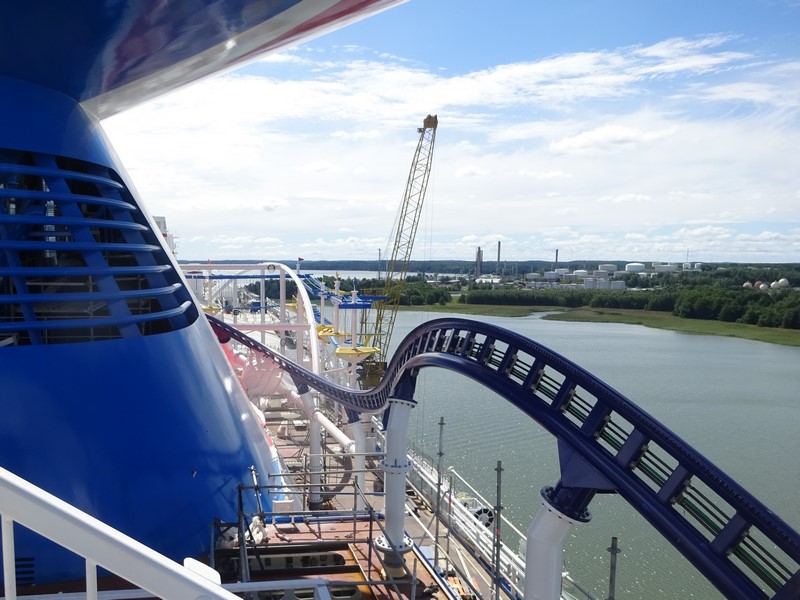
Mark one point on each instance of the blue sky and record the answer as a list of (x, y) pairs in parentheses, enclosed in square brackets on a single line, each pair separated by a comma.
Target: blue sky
[(615, 130)]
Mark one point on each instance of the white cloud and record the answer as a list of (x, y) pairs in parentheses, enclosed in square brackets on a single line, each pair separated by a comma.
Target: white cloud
[(585, 152)]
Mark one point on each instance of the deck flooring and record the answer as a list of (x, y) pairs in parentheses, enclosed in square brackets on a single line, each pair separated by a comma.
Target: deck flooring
[(358, 564)]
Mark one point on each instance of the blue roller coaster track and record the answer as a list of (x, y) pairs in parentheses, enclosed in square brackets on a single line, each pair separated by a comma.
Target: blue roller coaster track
[(606, 444)]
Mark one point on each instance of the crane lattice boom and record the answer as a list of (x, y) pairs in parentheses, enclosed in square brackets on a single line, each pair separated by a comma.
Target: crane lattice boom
[(380, 333)]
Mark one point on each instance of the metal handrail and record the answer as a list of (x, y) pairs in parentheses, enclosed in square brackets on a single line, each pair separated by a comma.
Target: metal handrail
[(101, 545)]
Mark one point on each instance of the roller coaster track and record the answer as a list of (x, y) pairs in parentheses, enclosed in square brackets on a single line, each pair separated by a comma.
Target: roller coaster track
[(734, 540)]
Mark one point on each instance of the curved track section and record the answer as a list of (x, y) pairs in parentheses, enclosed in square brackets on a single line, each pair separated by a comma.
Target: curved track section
[(606, 442)]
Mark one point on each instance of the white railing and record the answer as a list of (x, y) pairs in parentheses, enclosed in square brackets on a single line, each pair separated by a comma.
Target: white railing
[(100, 545)]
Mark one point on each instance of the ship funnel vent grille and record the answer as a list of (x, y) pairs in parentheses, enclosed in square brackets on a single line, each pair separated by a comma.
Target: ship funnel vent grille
[(24, 570), (79, 261)]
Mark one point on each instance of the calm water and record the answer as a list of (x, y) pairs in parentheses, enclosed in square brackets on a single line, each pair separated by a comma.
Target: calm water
[(736, 401)]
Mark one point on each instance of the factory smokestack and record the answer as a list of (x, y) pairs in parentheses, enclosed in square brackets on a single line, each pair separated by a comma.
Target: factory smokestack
[(498, 258), (556, 258)]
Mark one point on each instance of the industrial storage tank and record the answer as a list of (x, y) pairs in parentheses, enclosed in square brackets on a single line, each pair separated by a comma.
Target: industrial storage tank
[(608, 268), (635, 267), (580, 273), (665, 267), (617, 285), (589, 283)]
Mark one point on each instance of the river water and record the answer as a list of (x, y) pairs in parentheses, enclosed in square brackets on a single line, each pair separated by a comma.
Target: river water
[(736, 401)]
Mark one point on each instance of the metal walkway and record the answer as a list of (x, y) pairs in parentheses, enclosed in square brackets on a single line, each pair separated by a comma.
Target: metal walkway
[(606, 443)]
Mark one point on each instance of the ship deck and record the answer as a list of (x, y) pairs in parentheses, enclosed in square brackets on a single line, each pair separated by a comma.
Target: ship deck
[(336, 543)]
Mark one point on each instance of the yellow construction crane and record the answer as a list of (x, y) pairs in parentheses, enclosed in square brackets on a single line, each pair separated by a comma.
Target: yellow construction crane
[(378, 332)]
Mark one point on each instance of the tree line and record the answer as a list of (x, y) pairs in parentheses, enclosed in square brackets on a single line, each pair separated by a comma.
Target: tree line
[(765, 308), (415, 292)]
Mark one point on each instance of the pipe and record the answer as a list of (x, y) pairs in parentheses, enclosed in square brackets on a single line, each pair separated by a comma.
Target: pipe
[(313, 413)]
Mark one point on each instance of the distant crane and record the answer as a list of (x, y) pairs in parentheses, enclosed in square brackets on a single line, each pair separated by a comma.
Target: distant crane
[(379, 332)]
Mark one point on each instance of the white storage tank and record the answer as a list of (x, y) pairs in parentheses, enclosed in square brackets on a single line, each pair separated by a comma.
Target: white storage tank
[(550, 275), (589, 283), (581, 273), (634, 267), (604, 284), (665, 267), (607, 267), (617, 285)]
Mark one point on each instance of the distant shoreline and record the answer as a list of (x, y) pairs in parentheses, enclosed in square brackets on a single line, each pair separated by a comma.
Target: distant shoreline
[(655, 319)]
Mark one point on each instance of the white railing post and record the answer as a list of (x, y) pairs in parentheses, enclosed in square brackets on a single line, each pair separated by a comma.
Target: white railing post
[(91, 580), (9, 560)]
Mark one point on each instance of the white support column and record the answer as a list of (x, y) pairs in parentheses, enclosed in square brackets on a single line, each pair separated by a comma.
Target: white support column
[(315, 449), (300, 334), (235, 302), (359, 460), (544, 563), (395, 466), (282, 307), (9, 559), (262, 302)]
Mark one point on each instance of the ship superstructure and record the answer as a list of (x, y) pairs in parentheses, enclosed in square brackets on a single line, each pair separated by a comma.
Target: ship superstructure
[(116, 397)]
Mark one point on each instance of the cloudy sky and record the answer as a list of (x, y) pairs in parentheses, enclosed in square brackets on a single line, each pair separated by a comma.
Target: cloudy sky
[(606, 130)]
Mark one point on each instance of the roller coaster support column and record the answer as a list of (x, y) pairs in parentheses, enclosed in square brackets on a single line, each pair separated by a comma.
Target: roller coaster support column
[(315, 449), (395, 466), (562, 508), (359, 460)]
